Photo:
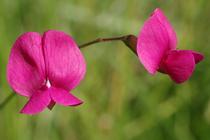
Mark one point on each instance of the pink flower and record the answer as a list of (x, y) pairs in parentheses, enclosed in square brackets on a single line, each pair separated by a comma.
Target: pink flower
[(44, 69), (156, 49)]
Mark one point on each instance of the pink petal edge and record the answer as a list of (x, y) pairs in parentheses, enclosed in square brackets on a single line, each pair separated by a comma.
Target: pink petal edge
[(171, 33), (25, 69), (65, 63), (37, 103), (197, 56), (63, 97), (155, 39), (179, 65)]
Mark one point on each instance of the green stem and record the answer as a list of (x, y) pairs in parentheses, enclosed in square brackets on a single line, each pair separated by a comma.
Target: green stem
[(7, 100)]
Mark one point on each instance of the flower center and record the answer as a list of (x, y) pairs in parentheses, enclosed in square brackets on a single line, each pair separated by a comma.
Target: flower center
[(48, 84)]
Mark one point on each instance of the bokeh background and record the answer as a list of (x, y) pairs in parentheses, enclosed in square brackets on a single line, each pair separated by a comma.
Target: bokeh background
[(122, 101)]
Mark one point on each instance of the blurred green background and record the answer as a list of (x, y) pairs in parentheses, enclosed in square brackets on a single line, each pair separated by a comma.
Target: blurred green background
[(122, 101)]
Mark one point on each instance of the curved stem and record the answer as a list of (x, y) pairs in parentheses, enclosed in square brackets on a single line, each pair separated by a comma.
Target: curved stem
[(98, 40), (129, 40)]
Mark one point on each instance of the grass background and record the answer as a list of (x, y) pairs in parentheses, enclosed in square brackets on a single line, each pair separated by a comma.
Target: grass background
[(122, 101)]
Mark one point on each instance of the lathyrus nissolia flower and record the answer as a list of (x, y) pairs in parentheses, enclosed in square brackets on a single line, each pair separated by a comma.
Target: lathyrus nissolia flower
[(156, 49), (45, 68)]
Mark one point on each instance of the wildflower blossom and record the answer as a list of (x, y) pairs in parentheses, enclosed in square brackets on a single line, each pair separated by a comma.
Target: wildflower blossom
[(44, 69), (156, 49)]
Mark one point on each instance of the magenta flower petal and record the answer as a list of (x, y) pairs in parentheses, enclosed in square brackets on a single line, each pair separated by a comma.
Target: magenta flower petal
[(197, 56), (179, 65), (156, 49), (171, 33), (37, 103), (39, 64), (64, 62), (155, 39), (63, 97), (25, 69)]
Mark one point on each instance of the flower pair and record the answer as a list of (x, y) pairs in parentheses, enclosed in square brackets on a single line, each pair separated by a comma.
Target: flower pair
[(46, 67)]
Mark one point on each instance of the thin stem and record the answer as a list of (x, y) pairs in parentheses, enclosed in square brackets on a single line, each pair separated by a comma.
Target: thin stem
[(7, 100), (129, 40), (98, 40)]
